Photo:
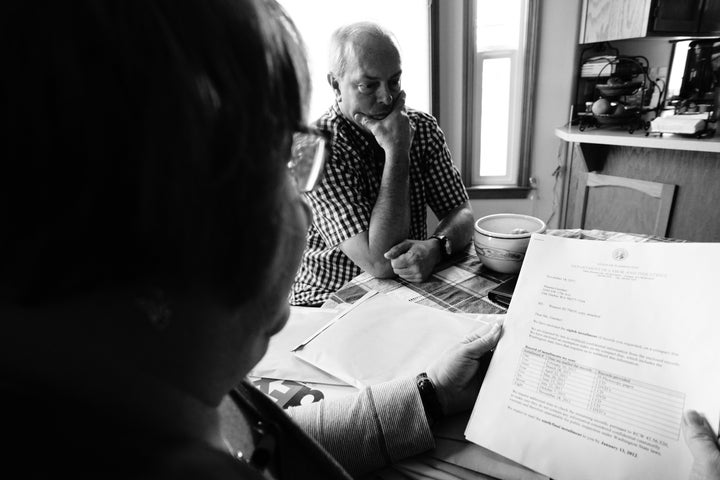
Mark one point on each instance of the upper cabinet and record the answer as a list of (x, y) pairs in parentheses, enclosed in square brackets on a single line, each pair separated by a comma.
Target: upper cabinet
[(676, 17), (606, 20), (710, 18)]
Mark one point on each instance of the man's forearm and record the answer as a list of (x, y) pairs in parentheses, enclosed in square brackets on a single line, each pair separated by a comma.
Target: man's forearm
[(390, 218), (389, 222)]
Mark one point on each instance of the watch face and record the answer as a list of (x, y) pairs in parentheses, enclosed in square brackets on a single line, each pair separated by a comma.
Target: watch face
[(446, 244)]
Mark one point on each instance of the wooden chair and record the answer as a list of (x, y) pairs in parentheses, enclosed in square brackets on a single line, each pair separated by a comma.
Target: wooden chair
[(623, 204)]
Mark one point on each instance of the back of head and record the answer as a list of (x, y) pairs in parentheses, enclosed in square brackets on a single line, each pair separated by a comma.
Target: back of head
[(143, 141), (346, 38)]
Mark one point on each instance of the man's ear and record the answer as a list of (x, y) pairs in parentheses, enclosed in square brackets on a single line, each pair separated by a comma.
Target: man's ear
[(335, 84)]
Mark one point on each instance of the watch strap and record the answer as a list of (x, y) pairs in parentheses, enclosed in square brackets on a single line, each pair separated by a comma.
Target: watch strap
[(429, 398), (444, 244)]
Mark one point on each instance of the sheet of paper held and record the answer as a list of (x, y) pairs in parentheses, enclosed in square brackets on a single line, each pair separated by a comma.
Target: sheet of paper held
[(280, 363), (382, 337), (604, 346)]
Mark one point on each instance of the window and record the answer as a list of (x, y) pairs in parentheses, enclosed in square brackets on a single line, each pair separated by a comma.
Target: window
[(498, 74), (500, 40), (409, 20)]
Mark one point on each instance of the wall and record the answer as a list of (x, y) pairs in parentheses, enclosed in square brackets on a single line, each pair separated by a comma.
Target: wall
[(558, 33), (658, 51)]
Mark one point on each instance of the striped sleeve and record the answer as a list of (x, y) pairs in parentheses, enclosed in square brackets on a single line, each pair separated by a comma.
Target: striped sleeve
[(381, 425)]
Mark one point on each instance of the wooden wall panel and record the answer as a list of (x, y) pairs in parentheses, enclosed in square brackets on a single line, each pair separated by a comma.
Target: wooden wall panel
[(696, 211)]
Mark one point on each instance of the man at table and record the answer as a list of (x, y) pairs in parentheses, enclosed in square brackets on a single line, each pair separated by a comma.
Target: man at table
[(388, 164)]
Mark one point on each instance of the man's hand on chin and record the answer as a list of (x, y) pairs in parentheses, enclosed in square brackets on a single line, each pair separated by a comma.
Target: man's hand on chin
[(395, 132)]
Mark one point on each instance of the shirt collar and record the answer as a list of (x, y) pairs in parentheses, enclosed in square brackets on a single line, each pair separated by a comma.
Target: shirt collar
[(349, 126)]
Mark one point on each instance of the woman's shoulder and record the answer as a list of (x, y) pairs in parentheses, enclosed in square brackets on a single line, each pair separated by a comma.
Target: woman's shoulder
[(194, 461)]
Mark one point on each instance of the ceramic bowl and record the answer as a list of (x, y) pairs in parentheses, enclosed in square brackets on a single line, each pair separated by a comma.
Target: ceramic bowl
[(502, 239)]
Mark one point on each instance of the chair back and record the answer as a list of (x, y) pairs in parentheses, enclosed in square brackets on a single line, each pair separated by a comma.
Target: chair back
[(623, 204)]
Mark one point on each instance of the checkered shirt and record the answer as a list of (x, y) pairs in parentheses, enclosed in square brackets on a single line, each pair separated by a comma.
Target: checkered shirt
[(343, 201)]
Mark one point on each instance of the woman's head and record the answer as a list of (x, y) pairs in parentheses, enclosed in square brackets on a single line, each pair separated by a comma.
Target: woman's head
[(144, 143)]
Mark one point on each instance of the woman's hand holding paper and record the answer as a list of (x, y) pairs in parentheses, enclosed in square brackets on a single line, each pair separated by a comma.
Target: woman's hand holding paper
[(704, 447), (455, 374)]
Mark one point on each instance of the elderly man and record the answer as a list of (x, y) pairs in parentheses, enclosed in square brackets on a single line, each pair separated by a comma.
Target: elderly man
[(388, 164)]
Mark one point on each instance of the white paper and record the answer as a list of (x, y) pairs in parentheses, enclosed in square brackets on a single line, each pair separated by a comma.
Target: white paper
[(680, 123), (478, 459), (384, 338), (279, 361), (604, 346), (451, 446)]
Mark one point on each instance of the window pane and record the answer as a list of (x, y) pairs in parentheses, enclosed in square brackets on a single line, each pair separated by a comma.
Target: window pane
[(407, 19), (677, 69), (495, 116), (498, 97), (498, 25)]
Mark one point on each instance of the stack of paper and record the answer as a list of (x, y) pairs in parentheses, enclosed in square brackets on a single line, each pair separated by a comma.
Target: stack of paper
[(687, 124), (382, 338), (605, 345), (279, 361), (596, 65)]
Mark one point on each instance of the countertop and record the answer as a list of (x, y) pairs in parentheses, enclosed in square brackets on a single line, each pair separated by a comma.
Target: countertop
[(621, 137)]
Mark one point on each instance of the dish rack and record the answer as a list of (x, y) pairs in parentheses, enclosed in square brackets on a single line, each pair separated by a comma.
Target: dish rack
[(631, 120), (618, 79)]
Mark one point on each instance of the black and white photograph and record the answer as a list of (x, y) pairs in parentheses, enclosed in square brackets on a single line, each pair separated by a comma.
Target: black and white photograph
[(373, 240)]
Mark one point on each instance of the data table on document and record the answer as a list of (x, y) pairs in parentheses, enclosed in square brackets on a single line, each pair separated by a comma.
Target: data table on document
[(650, 408)]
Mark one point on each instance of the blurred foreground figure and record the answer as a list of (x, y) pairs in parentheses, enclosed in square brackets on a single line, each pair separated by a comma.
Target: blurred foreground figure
[(150, 233)]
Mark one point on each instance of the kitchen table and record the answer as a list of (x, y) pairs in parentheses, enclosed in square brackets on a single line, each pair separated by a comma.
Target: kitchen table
[(461, 284)]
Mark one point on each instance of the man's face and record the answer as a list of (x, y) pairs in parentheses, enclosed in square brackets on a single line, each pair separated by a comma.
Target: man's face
[(371, 82)]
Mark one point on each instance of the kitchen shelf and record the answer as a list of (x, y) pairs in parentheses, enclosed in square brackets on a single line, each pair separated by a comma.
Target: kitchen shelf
[(621, 137)]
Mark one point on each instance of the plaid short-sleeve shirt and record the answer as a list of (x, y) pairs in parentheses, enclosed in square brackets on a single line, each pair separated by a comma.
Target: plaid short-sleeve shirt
[(343, 201)]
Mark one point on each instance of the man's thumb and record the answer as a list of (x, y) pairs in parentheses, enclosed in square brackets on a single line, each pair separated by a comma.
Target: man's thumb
[(398, 250)]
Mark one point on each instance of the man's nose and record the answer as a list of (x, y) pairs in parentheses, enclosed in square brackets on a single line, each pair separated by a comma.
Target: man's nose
[(384, 95)]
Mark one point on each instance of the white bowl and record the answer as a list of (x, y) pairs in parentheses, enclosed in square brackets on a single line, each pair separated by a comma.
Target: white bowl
[(502, 239)]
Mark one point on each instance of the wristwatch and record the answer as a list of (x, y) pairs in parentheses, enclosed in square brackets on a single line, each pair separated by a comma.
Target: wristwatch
[(444, 244), (429, 398)]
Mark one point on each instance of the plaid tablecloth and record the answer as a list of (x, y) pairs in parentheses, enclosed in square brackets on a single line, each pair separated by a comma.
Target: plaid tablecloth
[(462, 283)]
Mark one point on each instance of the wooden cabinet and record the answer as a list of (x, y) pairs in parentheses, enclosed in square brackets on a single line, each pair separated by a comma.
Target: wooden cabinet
[(606, 20), (710, 19), (673, 17), (694, 215)]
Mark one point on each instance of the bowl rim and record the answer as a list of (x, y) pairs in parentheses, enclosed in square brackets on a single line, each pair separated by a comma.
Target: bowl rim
[(489, 233)]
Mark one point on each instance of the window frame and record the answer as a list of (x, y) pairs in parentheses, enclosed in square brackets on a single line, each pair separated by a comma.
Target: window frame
[(521, 188)]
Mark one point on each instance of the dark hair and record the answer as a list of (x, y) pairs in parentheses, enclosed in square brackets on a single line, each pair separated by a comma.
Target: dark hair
[(143, 141)]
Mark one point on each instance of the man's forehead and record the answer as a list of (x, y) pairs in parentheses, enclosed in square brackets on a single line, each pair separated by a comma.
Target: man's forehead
[(373, 60)]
